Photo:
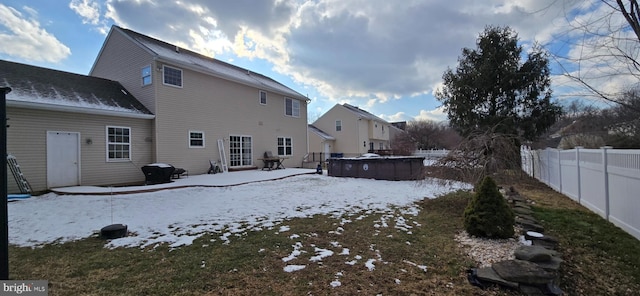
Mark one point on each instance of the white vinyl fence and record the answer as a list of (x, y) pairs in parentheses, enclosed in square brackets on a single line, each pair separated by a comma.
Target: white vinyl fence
[(607, 181)]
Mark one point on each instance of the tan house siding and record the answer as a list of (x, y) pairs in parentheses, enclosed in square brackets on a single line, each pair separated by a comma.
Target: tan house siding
[(26, 140), (210, 101), (348, 137), (316, 143), (221, 108), (121, 60), (357, 133)]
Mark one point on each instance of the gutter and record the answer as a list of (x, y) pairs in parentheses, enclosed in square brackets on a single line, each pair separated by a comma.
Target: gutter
[(72, 109)]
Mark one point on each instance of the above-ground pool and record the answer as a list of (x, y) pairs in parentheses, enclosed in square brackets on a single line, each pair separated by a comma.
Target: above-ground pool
[(394, 168)]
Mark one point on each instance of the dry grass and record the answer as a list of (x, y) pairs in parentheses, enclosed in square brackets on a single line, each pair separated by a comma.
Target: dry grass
[(600, 259)]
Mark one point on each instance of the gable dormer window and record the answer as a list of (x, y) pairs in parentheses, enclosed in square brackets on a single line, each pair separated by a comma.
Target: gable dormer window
[(171, 76), (146, 75)]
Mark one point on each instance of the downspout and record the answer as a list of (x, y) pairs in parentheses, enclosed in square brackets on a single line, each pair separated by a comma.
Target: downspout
[(358, 132)]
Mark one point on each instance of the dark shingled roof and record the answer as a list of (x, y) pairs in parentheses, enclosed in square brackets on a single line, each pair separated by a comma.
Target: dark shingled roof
[(363, 113), (42, 87)]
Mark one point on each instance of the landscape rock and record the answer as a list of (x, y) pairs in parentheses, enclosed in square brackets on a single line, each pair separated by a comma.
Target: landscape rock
[(523, 205), (534, 253), (546, 241), (552, 265), (529, 225), (548, 289), (487, 274), (523, 272), (523, 211), (526, 217)]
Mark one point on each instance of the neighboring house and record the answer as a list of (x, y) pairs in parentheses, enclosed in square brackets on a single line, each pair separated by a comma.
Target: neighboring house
[(67, 129), (199, 100), (356, 131), (318, 138), (147, 101)]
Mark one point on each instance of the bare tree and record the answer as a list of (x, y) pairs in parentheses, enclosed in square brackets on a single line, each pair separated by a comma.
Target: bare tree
[(428, 134), (480, 154), (610, 36)]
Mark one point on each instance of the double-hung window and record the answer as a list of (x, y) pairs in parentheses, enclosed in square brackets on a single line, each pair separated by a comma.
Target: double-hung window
[(263, 97), (118, 143), (172, 76), (338, 125), (285, 146), (146, 75), (291, 107), (196, 139)]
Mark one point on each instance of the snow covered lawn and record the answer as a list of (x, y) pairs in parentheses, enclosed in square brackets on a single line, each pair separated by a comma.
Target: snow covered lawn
[(178, 216)]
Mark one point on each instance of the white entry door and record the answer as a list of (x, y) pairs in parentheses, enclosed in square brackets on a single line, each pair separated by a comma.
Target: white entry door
[(327, 150), (63, 159)]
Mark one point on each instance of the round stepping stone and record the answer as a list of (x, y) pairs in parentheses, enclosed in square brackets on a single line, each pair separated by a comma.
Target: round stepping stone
[(534, 234)]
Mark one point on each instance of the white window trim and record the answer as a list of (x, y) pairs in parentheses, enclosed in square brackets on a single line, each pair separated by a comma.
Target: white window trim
[(150, 75), (293, 102), (181, 76), (284, 145), (260, 97), (107, 144), (203, 139), (338, 130), (252, 150)]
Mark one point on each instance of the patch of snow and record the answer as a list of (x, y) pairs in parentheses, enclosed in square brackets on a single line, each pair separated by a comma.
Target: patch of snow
[(369, 264), (335, 283), (320, 254), (292, 268), (177, 217), (295, 253), (284, 228), (422, 267)]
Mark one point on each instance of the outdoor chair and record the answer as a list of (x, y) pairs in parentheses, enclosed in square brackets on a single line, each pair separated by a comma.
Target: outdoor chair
[(179, 172), (213, 167)]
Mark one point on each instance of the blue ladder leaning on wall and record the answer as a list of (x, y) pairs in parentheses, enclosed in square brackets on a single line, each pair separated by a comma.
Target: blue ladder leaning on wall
[(23, 184)]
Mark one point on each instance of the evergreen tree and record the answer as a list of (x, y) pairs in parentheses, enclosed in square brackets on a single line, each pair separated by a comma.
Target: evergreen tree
[(491, 89), (488, 214)]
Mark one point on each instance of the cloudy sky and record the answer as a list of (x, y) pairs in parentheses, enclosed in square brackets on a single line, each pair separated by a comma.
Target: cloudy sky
[(384, 56)]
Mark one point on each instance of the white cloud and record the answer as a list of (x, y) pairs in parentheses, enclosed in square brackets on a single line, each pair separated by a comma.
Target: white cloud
[(26, 39), (367, 51), (437, 114), (87, 9), (399, 116)]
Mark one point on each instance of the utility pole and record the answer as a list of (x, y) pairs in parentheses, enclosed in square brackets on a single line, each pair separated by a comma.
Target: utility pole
[(4, 215)]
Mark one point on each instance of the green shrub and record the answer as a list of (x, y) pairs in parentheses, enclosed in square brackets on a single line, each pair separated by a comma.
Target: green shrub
[(487, 213)]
